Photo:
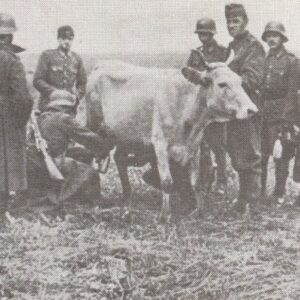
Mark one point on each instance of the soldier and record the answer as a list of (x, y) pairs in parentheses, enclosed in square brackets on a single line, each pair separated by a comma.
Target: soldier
[(279, 92), (16, 105), (243, 138), (60, 68), (215, 133), (57, 126)]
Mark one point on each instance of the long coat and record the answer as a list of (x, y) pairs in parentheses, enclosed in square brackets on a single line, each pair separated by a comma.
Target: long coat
[(15, 108)]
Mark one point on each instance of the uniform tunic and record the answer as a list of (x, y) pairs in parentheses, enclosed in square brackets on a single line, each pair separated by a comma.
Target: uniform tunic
[(58, 70), (16, 104)]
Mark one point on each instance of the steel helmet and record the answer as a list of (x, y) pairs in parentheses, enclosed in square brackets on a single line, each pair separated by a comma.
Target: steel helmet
[(7, 24), (275, 26), (206, 25)]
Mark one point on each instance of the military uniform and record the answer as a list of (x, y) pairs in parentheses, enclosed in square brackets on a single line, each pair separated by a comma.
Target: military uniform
[(215, 133), (244, 144), (281, 82), (58, 127), (59, 70), (16, 104)]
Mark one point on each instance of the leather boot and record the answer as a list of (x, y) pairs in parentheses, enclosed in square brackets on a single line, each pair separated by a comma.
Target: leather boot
[(3, 207), (264, 175), (281, 175)]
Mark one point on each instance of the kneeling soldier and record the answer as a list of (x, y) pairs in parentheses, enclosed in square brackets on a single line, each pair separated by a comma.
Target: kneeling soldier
[(58, 126), (279, 92)]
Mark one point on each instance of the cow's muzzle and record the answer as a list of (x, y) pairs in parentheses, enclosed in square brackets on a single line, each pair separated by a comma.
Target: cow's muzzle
[(246, 113)]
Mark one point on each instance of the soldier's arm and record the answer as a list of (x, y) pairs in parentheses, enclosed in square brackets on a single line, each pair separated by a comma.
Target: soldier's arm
[(20, 99), (40, 76), (81, 80), (253, 68), (84, 136), (291, 109)]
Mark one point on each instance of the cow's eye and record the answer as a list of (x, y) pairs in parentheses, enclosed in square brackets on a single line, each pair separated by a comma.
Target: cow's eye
[(222, 84)]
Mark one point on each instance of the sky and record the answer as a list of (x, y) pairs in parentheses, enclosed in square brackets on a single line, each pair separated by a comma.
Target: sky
[(152, 26)]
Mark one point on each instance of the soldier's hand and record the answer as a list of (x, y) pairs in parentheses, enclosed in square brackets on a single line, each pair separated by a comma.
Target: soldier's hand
[(194, 76)]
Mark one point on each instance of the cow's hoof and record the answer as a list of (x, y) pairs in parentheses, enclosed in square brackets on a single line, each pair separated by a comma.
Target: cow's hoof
[(167, 185)]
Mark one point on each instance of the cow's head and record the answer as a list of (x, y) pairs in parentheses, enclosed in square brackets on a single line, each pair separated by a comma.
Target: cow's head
[(221, 98), (225, 97)]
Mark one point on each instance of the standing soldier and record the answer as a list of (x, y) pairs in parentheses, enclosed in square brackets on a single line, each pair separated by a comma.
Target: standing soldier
[(215, 132), (279, 92), (244, 143), (16, 105), (61, 69)]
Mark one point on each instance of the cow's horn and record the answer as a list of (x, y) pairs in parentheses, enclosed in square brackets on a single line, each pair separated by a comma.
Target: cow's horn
[(230, 58)]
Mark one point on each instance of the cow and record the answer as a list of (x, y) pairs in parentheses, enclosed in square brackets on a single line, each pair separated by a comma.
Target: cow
[(159, 117)]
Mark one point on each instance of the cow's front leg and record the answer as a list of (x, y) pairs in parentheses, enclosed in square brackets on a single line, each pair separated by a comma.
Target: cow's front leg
[(166, 181), (160, 144), (195, 170)]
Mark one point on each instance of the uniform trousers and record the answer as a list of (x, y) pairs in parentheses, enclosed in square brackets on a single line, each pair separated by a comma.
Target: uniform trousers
[(270, 133), (244, 148)]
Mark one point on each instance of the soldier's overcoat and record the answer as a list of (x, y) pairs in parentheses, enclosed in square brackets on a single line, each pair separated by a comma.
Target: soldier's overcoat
[(15, 107)]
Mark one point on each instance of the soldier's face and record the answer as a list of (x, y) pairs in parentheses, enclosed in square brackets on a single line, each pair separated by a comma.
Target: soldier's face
[(236, 25), (205, 37), (273, 39), (65, 43)]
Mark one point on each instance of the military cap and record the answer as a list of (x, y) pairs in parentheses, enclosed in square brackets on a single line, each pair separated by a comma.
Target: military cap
[(65, 31), (61, 98), (275, 26), (235, 10), (7, 24), (205, 25)]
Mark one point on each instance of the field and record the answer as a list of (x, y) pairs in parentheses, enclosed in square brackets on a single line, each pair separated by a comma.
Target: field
[(92, 253)]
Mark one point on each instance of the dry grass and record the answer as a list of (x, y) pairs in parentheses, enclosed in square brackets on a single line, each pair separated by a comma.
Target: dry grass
[(100, 254)]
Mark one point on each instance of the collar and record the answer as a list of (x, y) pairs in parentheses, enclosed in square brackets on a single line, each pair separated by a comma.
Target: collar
[(210, 47), (277, 52), (241, 36), (64, 54)]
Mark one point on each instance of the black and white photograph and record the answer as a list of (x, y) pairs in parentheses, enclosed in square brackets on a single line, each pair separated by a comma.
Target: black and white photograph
[(149, 149)]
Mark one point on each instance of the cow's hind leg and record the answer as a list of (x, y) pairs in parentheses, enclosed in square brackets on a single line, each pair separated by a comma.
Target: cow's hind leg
[(122, 166)]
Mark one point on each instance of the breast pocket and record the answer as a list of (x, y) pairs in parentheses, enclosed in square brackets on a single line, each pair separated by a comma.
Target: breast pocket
[(280, 78), (56, 69), (56, 75)]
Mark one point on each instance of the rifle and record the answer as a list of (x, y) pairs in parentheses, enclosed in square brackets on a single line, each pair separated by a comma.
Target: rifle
[(42, 147)]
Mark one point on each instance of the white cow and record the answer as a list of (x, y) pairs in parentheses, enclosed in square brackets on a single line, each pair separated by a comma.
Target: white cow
[(159, 117)]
